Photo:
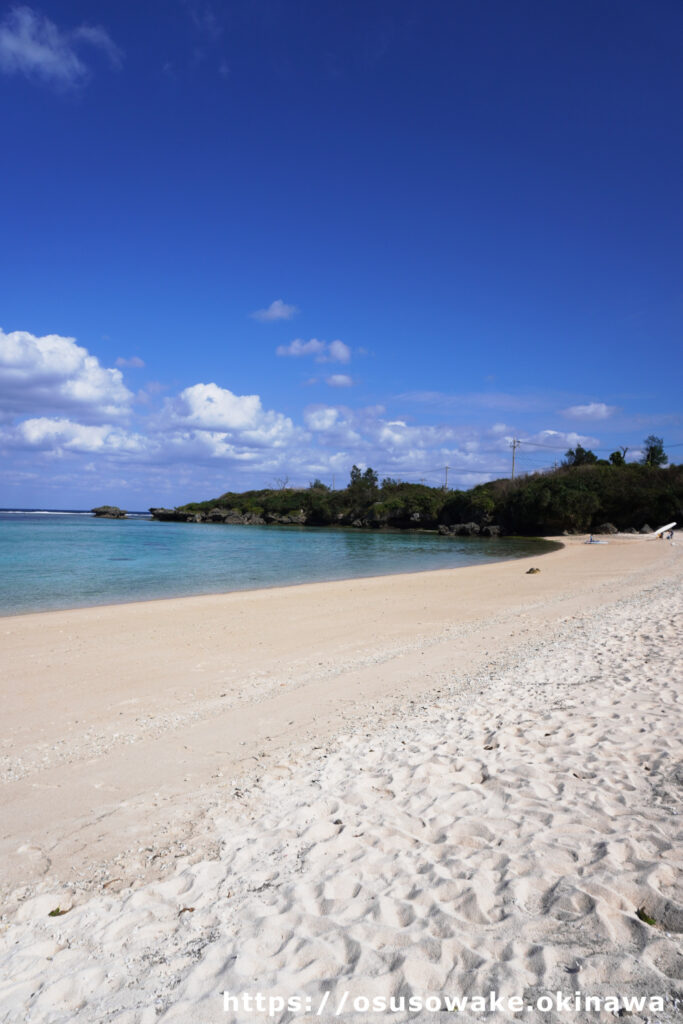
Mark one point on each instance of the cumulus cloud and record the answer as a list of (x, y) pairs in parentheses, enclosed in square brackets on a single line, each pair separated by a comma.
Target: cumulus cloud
[(338, 352), (209, 407), (395, 447), (335, 426), (32, 45), (321, 418), (397, 435), (298, 347), (58, 435), (54, 374), (277, 310), (324, 351), (134, 361), (592, 411), (60, 403)]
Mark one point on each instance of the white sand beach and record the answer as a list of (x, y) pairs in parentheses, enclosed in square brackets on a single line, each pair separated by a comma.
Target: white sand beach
[(444, 784)]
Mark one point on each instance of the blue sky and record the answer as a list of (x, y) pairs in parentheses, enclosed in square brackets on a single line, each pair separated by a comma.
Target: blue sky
[(262, 240)]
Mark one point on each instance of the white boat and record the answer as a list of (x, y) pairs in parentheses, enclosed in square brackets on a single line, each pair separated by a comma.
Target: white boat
[(662, 529)]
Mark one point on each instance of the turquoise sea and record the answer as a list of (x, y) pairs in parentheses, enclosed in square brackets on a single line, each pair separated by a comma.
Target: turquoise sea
[(68, 559)]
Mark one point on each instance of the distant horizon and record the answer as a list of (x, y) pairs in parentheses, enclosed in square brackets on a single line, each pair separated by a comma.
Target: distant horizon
[(70, 511), (261, 244)]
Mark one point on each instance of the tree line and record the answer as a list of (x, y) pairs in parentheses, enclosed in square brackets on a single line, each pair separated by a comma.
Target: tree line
[(579, 496)]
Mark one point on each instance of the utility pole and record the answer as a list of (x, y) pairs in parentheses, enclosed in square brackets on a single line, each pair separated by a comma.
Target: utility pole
[(515, 445), (445, 486)]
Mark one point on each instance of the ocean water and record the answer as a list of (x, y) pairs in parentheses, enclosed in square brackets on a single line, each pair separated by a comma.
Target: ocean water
[(69, 560)]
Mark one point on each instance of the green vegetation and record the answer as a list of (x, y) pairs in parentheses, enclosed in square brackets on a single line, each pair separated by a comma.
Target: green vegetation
[(654, 452), (580, 457), (580, 496)]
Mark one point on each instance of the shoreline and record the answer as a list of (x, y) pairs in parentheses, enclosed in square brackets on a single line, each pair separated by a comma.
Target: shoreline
[(419, 778), (556, 542)]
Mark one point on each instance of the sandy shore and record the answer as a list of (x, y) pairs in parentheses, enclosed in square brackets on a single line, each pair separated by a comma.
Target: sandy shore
[(458, 781)]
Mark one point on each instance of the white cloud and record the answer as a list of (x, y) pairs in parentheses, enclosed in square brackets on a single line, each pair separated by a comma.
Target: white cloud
[(560, 439), (62, 407), (277, 310), (395, 447), (338, 352), (324, 351), (321, 419), (335, 425), (592, 411), (59, 435), (134, 361), (208, 407), (396, 435), (339, 380), (299, 347), (32, 45), (54, 374)]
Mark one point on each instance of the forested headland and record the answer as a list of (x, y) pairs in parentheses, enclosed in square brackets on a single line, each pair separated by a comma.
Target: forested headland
[(583, 494)]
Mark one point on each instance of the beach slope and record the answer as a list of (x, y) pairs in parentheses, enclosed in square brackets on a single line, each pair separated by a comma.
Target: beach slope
[(456, 782)]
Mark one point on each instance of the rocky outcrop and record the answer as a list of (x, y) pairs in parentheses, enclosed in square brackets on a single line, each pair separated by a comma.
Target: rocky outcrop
[(231, 516), (108, 512), (470, 530), (606, 528), (378, 518), (171, 515), (463, 530), (646, 529), (292, 519), (381, 515)]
